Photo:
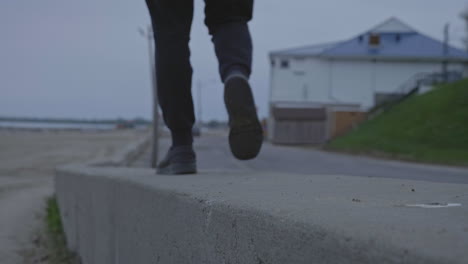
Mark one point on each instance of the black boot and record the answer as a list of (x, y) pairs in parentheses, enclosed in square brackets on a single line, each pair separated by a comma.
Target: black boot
[(179, 160), (246, 135)]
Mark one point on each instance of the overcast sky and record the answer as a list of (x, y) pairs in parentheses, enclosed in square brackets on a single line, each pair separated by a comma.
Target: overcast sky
[(85, 59)]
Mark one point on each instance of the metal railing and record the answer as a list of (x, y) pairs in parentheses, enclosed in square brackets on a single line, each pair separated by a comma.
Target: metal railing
[(411, 86)]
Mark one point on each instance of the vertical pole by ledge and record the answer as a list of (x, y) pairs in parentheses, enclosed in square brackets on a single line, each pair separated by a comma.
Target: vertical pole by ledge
[(149, 35)]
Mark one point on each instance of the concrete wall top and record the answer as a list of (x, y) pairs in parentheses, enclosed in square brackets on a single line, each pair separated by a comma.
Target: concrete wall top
[(134, 216)]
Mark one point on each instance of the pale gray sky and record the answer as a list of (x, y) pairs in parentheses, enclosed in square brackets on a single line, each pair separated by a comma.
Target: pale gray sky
[(85, 59)]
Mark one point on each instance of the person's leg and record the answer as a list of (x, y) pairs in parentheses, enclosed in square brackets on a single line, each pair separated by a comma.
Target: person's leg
[(227, 23), (172, 21)]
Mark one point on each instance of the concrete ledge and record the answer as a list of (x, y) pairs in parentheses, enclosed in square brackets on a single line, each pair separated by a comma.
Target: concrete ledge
[(134, 216)]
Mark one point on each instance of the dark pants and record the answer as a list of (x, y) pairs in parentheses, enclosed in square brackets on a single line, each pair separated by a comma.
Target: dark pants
[(172, 19)]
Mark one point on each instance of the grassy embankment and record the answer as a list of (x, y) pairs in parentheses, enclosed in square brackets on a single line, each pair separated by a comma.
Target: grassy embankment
[(56, 244), (430, 128)]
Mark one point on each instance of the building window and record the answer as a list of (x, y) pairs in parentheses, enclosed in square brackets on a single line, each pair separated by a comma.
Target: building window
[(273, 62), (284, 64), (398, 38), (374, 40)]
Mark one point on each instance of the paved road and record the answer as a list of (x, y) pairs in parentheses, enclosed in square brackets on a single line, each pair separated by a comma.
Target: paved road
[(213, 154), (27, 162)]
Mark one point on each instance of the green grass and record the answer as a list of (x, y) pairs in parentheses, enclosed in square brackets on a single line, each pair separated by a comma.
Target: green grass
[(429, 128), (58, 252)]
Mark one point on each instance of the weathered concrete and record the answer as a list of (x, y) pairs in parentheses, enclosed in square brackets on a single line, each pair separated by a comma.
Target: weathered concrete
[(134, 216)]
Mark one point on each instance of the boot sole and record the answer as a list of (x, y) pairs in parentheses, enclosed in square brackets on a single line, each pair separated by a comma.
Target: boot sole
[(178, 169), (246, 134)]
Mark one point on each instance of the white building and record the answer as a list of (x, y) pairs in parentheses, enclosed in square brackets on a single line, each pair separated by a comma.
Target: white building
[(351, 76)]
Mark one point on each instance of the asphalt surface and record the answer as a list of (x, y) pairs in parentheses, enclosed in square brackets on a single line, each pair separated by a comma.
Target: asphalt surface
[(213, 154)]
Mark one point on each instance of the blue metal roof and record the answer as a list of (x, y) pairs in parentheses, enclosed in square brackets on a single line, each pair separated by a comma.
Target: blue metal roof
[(403, 43), (308, 50)]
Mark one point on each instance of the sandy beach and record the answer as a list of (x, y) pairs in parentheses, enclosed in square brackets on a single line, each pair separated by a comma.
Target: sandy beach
[(27, 162)]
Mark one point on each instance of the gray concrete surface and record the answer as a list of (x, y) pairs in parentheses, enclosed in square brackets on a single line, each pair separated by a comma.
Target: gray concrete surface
[(131, 215), (27, 163), (213, 153)]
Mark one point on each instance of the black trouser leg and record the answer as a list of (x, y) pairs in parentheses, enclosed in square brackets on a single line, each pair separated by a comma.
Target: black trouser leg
[(172, 21), (227, 23)]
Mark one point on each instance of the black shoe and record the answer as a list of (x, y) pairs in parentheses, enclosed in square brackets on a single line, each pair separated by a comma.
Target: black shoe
[(246, 135), (179, 160)]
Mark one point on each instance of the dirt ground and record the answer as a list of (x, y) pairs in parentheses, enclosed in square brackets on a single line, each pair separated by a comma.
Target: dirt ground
[(27, 162)]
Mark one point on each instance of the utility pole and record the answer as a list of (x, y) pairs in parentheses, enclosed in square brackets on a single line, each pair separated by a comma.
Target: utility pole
[(149, 35), (446, 49), (464, 16), (199, 103)]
